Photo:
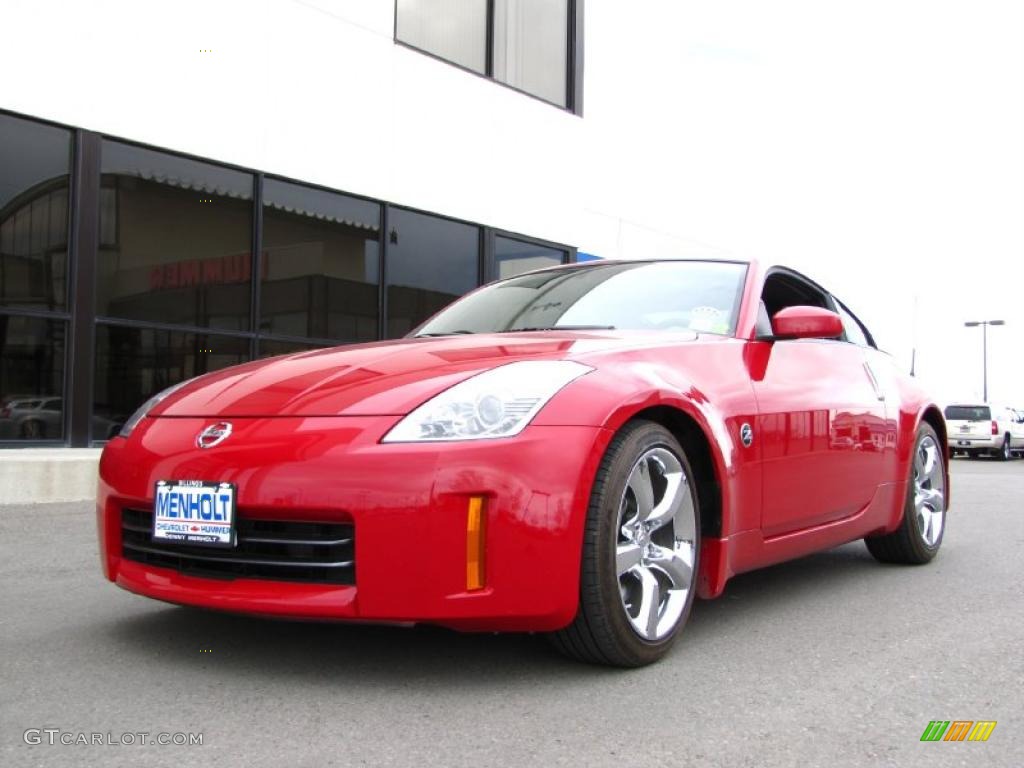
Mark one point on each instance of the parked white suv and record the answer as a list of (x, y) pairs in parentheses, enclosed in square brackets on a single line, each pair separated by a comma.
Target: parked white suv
[(976, 429)]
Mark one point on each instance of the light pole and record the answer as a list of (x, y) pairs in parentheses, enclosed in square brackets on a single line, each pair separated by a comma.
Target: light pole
[(984, 350)]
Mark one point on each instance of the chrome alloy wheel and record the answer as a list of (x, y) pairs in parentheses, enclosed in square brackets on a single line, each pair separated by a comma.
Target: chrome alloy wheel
[(655, 549), (929, 490)]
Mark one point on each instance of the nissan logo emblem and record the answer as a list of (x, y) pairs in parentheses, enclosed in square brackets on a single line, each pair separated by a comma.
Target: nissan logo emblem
[(215, 434)]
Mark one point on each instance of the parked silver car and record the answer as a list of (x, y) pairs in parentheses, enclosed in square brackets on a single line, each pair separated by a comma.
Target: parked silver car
[(36, 417)]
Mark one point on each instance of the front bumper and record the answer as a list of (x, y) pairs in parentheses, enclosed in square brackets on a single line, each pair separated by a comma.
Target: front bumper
[(407, 504)]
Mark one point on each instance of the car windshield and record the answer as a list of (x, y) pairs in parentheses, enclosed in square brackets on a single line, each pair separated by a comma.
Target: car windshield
[(669, 295), (968, 413)]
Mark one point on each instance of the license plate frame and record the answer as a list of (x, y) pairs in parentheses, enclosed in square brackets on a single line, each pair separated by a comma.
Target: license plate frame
[(180, 516)]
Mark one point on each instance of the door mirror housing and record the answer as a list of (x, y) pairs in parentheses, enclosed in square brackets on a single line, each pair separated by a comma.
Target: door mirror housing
[(806, 323)]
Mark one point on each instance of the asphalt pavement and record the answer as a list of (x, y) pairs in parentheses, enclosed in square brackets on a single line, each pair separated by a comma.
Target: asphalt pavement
[(830, 660)]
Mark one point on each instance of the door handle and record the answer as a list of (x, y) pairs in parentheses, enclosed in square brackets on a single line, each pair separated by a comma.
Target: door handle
[(874, 382)]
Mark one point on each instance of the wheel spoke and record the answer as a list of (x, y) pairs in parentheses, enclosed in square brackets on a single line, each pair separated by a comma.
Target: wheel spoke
[(650, 603), (674, 565), (930, 498), (677, 493), (929, 461), (643, 489), (919, 464), (935, 530), (626, 557)]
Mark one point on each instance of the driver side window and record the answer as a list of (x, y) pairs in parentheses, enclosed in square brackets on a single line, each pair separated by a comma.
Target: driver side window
[(783, 289)]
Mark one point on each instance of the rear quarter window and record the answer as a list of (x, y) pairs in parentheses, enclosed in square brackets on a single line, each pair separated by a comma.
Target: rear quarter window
[(968, 413)]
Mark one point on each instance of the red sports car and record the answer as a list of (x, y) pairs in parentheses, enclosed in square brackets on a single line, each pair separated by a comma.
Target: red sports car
[(578, 451)]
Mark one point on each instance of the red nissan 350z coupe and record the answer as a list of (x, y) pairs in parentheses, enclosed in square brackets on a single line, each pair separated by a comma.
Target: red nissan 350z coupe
[(578, 451)]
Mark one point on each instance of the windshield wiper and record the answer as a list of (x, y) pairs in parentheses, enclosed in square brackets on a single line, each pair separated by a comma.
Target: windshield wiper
[(446, 333), (563, 328)]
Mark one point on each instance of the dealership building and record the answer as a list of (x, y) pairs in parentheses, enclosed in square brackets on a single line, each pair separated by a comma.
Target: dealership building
[(235, 180)]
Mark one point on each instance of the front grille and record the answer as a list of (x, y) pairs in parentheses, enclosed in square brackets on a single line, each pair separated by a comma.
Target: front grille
[(279, 550)]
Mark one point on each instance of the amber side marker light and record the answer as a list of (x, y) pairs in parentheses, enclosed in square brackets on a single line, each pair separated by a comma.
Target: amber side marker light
[(476, 534)]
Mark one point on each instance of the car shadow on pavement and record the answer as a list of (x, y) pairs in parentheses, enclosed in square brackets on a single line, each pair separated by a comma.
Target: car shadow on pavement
[(312, 652)]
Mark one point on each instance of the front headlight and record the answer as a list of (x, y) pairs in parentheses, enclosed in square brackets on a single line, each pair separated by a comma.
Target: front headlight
[(146, 407), (497, 403)]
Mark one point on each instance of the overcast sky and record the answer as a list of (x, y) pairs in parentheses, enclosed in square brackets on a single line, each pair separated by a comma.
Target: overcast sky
[(877, 145)]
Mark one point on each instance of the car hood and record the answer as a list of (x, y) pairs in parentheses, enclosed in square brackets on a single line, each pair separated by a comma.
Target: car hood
[(382, 378)]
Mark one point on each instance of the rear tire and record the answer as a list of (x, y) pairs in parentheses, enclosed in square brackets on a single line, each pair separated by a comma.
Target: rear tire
[(641, 546), (919, 536), (1005, 454)]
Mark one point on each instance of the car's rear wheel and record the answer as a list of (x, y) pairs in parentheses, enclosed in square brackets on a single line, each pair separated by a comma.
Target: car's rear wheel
[(640, 552), (919, 536), (1005, 454)]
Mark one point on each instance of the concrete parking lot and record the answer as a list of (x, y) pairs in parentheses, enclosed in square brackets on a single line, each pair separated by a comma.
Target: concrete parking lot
[(834, 659)]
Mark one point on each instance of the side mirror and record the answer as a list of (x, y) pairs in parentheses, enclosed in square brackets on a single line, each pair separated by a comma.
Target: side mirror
[(806, 323)]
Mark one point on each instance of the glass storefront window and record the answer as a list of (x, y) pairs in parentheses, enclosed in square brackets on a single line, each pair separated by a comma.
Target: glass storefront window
[(321, 255), (133, 364), (35, 163), (514, 257), (430, 263), (31, 378), (175, 240), (275, 347)]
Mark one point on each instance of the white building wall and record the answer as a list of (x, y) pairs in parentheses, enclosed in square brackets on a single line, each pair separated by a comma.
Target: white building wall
[(317, 90)]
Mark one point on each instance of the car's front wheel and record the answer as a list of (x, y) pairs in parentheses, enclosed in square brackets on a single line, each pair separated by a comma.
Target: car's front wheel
[(640, 552), (919, 536)]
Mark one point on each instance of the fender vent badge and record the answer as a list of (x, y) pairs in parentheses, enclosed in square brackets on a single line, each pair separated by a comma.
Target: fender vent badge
[(746, 435)]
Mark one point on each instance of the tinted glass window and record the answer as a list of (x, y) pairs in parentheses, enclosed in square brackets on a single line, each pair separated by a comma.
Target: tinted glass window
[(176, 240), (133, 364), (530, 46), (968, 413), (854, 331), (697, 296), (431, 262), (31, 378), (273, 348), (455, 30), (34, 167), (515, 256), (320, 263)]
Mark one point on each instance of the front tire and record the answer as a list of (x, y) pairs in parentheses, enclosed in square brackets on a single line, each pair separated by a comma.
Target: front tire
[(641, 546), (919, 536)]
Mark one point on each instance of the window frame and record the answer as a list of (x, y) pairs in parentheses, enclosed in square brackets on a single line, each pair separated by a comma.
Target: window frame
[(573, 57), (841, 307)]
